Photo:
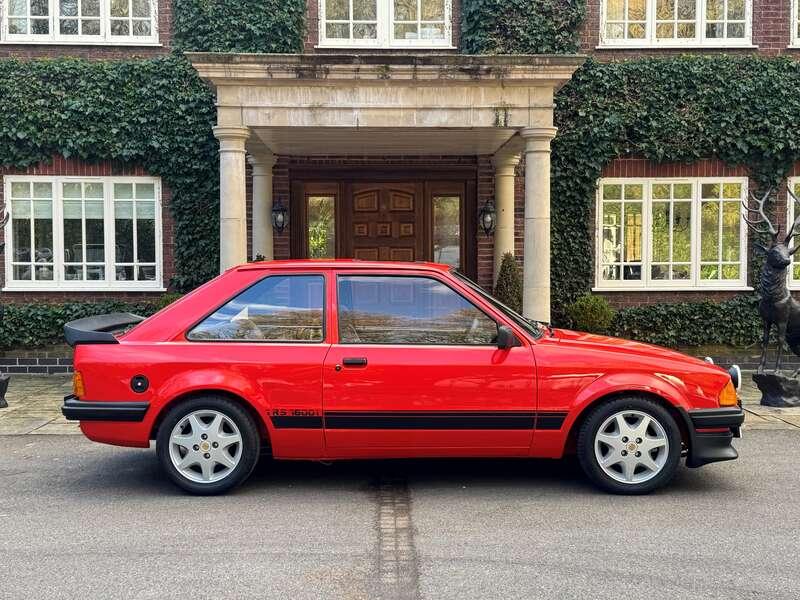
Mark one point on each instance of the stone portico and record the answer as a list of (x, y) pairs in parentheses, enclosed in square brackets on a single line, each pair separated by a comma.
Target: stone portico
[(270, 106)]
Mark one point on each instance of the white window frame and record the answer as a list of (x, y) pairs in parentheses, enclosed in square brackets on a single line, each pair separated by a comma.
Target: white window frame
[(104, 39), (700, 40), (794, 284), (385, 31), (794, 36), (647, 283), (59, 283)]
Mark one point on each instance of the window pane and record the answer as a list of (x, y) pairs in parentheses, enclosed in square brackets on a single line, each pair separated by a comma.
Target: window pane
[(637, 10), (715, 9), (337, 10), (715, 30), (21, 226), (636, 31), (17, 26), (430, 31), (277, 309), (681, 232), (686, 9), (21, 189), (364, 10), (365, 31), (39, 8), (119, 8), (735, 30), (119, 27), (661, 226), (405, 31), (123, 232), (633, 231), (145, 191), (68, 8), (18, 8), (730, 231), (736, 10), (408, 310), (141, 8), (665, 9), (68, 27), (321, 227), (90, 8), (709, 232), (405, 10), (40, 26), (447, 230), (432, 10), (337, 31), (123, 191), (145, 238), (615, 10), (612, 232)]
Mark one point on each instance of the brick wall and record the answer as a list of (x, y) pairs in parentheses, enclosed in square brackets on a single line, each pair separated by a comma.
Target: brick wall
[(61, 166), (312, 33), (771, 33), (98, 51)]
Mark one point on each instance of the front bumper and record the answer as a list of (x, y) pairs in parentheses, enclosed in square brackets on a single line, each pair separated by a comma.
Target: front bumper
[(711, 432), (79, 410)]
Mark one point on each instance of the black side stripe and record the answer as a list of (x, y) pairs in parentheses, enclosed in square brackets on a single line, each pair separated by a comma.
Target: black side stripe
[(442, 420)]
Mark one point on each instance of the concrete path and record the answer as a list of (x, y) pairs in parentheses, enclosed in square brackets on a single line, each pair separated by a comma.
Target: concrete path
[(34, 407)]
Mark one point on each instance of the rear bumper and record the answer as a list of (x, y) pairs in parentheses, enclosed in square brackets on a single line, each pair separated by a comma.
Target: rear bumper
[(78, 410), (711, 432)]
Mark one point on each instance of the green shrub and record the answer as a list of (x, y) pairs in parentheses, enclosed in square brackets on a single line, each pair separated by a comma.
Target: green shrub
[(734, 322), (521, 26), (509, 283), (592, 314), (34, 325)]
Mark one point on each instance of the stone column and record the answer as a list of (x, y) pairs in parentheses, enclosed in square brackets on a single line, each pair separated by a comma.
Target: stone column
[(504, 168), (536, 271), (262, 204), (232, 204)]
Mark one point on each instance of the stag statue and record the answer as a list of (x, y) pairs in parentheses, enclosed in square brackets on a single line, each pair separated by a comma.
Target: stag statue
[(777, 307)]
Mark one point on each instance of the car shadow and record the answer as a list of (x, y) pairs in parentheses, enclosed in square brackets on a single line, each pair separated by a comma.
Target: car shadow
[(138, 473)]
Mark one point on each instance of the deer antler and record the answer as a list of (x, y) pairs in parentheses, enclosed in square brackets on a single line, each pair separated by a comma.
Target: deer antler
[(762, 215)]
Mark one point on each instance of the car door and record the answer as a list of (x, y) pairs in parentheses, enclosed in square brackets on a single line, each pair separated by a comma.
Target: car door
[(415, 370)]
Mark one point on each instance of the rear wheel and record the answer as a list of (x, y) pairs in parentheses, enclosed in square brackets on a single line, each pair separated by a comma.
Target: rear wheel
[(629, 446), (208, 445)]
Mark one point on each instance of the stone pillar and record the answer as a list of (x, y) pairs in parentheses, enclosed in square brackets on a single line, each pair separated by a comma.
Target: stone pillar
[(504, 168), (262, 205), (536, 270), (232, 203)]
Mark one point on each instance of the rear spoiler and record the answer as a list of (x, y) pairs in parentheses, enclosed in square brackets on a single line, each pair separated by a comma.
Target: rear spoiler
[(98, 330)]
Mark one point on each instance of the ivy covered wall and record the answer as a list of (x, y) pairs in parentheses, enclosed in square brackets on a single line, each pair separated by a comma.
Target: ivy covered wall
[(156, 113), (521, 26), (273, 26)]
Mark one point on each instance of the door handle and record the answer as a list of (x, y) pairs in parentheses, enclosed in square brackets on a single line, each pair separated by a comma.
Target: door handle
[(355, 362)]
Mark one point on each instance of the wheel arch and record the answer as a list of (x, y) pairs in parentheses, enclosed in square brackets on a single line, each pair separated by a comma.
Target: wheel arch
[(199, 393), (674, 411)]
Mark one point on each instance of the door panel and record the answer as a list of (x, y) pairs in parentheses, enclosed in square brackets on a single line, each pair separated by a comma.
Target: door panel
[(414, 367), (386, 222)]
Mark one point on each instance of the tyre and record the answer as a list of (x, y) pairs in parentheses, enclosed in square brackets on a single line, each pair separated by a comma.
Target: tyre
[(208, 445), (629, 445)]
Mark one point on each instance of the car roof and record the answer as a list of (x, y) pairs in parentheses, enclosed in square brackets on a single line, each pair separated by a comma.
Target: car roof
[(343, 263)]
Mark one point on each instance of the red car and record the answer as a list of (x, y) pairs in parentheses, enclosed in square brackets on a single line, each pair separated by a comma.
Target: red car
[(347, 359)]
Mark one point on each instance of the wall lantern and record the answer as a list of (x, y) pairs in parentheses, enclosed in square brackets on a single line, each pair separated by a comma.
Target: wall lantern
[(488, 217), (279, 217)]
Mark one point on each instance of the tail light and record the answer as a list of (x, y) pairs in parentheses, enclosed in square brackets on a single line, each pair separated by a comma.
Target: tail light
[(77, 385)]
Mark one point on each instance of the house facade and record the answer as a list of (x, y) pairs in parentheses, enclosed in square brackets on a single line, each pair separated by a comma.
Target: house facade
[(380, 138)]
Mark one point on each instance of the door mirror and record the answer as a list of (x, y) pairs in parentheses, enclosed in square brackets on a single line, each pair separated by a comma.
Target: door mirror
[(506, 338)]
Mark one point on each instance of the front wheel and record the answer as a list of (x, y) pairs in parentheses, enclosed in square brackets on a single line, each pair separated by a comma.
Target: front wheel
[(208, 445), (629, 446)]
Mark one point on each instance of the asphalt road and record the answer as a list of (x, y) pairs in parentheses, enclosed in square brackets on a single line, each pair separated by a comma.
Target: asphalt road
[(81, 520)]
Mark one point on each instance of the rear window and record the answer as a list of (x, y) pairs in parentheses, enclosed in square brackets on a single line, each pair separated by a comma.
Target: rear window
[(279, 308)]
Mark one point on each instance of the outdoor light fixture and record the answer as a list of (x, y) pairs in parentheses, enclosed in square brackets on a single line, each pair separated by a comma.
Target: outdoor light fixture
[(279, 217), (488, 217)]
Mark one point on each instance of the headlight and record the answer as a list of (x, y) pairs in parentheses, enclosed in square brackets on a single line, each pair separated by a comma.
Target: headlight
[(727, 397)]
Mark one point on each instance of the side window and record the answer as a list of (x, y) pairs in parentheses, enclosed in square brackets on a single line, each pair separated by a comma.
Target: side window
[(280, 308), (409, 310)]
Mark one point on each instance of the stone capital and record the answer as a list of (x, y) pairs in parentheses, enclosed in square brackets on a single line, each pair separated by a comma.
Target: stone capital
[(262, 164), (537, 139), (505, 163), (231, 139)]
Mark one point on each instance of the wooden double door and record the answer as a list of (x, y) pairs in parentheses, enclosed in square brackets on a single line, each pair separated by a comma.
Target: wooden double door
[(386, 220)]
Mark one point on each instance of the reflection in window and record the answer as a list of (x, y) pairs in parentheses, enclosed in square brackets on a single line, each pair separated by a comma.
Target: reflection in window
[(447, 230), (720, 225), (32, 219), (84, 234), (794, 210), (351, 19), (321, 226), (671, 239), (135, 231), (621, 214), (408, 310), (418, 20), (287, 308)]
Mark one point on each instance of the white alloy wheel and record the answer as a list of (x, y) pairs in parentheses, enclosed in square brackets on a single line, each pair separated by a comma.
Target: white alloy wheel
[(205, 446), (631, 447)]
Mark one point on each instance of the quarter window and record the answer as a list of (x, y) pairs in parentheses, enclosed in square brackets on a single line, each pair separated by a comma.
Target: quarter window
[(385, 23), (80, 21), (676, 22), (86, 233), (671, 233), (409, 310), (280, 308)]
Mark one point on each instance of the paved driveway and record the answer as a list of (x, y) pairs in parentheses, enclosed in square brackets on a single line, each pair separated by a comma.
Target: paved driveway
[(81, 520)]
